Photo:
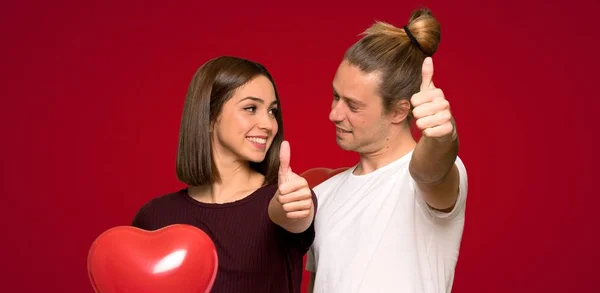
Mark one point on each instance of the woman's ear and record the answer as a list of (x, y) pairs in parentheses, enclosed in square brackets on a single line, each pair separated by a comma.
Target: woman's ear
[(400, 111)]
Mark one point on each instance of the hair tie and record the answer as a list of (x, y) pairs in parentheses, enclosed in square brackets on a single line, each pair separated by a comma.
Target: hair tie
[(414, 41)]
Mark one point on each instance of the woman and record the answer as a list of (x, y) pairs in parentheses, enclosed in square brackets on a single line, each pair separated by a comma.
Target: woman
[(257, 212)]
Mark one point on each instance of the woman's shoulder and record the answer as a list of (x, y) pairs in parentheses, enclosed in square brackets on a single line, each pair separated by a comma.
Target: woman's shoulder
[(261, 195), (165, 199), (159, 205), (267, 189)]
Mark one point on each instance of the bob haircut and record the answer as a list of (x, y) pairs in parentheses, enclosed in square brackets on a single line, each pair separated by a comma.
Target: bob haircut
[(213, 84)]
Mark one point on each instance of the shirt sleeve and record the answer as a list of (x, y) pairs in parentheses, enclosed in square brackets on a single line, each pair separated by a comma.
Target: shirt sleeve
[(302, 241)]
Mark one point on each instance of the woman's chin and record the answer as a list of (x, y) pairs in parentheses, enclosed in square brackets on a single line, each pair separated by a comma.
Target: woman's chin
[(256, 158)]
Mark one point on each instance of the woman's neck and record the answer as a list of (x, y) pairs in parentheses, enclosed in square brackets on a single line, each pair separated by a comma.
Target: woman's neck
[(238, 180)]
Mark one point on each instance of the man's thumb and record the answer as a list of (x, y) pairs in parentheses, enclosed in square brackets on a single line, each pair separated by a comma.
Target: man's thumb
[(427, 74)]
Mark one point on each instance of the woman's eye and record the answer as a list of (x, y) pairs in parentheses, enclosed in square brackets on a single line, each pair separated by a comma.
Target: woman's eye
[(251, 109)]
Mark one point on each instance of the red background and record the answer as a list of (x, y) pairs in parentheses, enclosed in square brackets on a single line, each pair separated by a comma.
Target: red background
[(92, 95)]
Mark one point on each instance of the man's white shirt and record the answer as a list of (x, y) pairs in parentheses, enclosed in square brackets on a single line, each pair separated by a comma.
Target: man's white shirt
[(375, 233)]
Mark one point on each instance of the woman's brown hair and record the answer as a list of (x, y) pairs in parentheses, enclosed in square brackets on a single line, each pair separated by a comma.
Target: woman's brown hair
[(213, 84)]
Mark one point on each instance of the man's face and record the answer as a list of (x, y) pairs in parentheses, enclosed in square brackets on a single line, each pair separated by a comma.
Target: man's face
[(357, 110)]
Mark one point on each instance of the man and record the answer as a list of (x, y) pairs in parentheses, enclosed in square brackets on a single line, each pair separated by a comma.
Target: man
[(394, 221)]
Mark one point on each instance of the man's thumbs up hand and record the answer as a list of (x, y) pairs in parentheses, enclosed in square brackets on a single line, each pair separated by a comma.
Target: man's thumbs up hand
[(431, 109)]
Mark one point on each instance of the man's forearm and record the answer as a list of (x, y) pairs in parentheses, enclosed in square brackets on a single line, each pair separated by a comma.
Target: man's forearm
[(433, 159)]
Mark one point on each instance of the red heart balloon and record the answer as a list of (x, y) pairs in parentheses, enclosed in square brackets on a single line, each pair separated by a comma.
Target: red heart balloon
[(177, 258), (315, 176)]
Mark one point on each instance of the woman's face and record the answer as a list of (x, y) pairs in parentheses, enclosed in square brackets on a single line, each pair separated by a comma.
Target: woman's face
[(246, 126)]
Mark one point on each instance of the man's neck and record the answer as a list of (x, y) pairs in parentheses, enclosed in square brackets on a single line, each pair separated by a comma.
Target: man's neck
[(395, 146)]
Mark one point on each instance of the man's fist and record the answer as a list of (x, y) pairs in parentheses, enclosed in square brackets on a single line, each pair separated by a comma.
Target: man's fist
[(431, 109)]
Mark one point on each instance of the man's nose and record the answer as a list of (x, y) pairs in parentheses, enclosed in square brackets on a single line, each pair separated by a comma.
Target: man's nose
[(335, 115)]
